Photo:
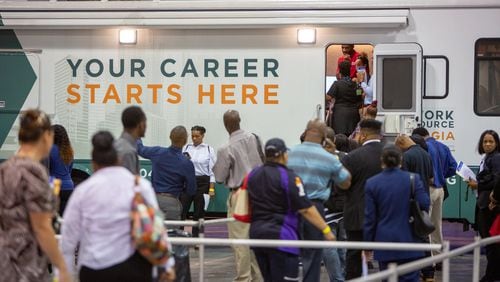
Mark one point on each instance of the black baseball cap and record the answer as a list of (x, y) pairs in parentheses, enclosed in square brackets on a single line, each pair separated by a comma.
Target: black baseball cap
[(275, 147)]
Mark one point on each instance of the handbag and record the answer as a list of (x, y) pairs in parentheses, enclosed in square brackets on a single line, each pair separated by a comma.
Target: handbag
[(495, 227), (148, 231), (420, 220), (242, 210)]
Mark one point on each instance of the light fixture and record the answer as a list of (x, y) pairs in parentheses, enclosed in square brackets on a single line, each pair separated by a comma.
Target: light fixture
[(128, 36), (306, 35)]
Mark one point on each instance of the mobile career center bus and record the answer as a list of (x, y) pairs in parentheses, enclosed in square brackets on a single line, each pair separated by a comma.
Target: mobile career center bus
[(436, 63)]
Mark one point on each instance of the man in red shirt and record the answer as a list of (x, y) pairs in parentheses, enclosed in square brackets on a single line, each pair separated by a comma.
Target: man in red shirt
[(349, 54)]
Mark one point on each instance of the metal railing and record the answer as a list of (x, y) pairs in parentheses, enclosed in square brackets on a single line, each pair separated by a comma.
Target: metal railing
[(392, 273), (202, 242), (394, 270)]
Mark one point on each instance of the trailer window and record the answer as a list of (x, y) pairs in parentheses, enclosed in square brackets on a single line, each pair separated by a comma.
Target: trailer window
[(487, 77), (397, 85)]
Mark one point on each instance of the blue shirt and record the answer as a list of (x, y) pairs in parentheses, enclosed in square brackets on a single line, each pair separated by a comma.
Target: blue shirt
[(316, 167), (443, 163), (172, 172), (59, 169)]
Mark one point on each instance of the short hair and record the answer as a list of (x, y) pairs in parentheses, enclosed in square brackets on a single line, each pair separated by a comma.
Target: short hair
[(345, 68), (494, 134), (132, 117), (103, 151), (371, 126), (178, 134), (199, 128), (342, 143), (33, 124), (420, 141), (391, 156), (330, 133), (420, 131)]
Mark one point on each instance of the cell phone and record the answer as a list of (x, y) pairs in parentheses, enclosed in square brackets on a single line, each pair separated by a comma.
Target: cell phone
[(361, 69)]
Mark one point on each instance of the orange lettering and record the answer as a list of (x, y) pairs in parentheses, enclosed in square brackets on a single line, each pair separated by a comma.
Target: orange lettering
[(111, 94), (155, 88), (136, 95), (92, 88), (71, 91), (246, 94), (173, 93), (450, 136), (268, 94), (202, 93), (225, 94)]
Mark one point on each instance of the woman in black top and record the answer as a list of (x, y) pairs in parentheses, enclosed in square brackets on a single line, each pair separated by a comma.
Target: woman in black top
[(489, 147), (347, 102)]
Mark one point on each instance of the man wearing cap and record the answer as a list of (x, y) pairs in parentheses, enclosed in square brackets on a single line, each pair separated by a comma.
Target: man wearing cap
[(278, 198), (316, 167), (235, 160)]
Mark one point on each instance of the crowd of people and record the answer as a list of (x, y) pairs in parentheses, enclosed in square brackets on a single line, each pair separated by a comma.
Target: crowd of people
[(344, 182)]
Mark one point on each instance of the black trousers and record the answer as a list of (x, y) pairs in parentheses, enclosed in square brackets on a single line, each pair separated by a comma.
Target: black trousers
[(353, 257), (484, 220), (203, 184), (134, 269), (63, 200)]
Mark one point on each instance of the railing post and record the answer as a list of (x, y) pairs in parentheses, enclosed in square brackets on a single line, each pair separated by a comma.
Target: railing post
[(394, 272), (446, 262), (476, 261), (201, 227)]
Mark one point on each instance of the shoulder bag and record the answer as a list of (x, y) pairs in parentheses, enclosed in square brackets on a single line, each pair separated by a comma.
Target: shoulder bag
[(420, 220), (148, 231)]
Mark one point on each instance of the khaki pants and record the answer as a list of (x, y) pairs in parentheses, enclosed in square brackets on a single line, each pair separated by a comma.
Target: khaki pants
[(436, 214), (247, 268)]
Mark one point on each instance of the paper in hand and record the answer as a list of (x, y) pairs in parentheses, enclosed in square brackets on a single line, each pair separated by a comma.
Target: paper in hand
[(465, 172)]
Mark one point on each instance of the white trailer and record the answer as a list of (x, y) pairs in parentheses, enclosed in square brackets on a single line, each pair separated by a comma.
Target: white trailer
[(437, 63)]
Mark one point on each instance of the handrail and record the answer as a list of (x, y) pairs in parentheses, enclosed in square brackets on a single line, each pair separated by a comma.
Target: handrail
[(198, 223), (304, 244), (419, 264)]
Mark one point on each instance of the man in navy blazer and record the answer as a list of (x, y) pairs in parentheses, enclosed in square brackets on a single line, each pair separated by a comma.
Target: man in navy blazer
[(387, 210)]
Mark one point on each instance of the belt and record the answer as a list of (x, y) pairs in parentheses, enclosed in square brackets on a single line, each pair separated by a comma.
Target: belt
[(167, 195), (234, 189)]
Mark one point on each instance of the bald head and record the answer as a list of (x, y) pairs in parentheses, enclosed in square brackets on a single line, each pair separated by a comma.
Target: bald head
[(232, 121), (178, 136), (404, 142), (315, 131)]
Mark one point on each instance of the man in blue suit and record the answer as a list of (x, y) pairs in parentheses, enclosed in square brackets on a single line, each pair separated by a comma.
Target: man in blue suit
[(387, 210)]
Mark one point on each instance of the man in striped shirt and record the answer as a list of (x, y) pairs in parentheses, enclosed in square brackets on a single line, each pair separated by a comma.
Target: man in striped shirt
[(316, 167)]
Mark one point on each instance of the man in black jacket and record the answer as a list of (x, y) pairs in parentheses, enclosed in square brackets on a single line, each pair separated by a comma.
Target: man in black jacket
[(363, 163)]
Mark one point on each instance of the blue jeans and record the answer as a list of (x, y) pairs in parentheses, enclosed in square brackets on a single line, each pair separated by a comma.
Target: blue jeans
[(311, 258), (334, 258)]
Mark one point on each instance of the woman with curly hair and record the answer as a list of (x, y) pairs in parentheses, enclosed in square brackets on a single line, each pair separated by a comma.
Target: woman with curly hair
[(61, 164)]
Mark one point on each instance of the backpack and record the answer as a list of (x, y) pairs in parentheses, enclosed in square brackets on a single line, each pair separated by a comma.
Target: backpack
[(148, 232)]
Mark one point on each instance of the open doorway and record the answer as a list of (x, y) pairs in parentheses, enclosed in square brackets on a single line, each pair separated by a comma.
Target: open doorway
[(347, 101)]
